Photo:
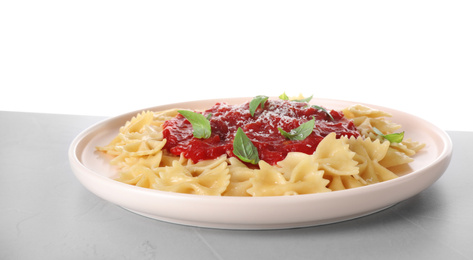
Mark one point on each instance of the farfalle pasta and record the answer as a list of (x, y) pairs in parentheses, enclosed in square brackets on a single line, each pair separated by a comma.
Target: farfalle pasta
[(240, 176), (355, 156), (210, 177), (367, 119), (297, 174)]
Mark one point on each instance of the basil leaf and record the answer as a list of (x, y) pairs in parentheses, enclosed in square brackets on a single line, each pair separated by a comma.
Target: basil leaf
[(209, 116), (323, 110), (200, 123), (301, 132), (283, 96), (255, 103), (244, 149), (393, 138), (304, 99)]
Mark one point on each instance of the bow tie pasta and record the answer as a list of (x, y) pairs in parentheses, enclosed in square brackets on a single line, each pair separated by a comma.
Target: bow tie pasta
[(338, 163)]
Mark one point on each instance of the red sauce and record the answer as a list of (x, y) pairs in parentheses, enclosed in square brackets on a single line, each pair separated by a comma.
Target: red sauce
[(261, 129)]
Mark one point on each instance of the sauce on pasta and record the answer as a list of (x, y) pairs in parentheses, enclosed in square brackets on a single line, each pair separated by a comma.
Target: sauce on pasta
[(261, 129)]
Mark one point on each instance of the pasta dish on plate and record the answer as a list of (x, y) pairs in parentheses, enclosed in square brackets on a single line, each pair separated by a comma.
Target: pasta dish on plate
[(263, 147)]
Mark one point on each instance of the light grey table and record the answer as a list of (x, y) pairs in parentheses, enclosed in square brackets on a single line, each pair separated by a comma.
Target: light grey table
[(45, 213)]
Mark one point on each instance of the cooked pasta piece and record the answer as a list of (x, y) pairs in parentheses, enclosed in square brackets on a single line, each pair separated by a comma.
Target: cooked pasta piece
[(138, 175), (240, 176), (335, 157), (336, 160), (141, 171), (366, 119), (296, 176), (210, 177), (368, 154), (137, 138)]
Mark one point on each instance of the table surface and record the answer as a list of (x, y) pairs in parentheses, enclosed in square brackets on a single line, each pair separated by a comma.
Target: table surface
[(46, 213)]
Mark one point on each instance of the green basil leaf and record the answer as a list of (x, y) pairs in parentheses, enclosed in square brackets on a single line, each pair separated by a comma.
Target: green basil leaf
[(323, 110), (301, 132), (393, 138), (255, 103), (283, 96), (244, 149), (304, 99), (200, 123), (209, 116), (377, 131)]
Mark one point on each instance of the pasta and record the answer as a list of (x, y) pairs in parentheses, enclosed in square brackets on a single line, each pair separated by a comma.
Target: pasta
[(298, 174), (209, 177), (338, 163)]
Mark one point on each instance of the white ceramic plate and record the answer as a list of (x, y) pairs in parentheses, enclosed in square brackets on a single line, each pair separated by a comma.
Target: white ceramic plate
[(95, 173)]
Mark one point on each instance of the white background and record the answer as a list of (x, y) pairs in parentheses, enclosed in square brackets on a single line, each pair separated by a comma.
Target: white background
[(109, 57)]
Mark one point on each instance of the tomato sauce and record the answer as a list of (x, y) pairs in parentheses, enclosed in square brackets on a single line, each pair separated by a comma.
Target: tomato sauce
[(261, 129)]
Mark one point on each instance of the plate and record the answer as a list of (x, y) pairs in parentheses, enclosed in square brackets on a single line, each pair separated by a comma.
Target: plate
[(94, 172)]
